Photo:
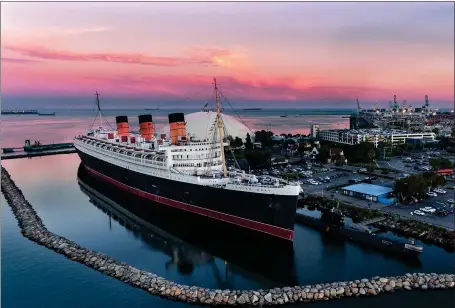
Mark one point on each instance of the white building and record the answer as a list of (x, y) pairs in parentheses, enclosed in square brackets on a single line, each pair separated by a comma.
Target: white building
[(374, 136), (203, 124), (314, 130)]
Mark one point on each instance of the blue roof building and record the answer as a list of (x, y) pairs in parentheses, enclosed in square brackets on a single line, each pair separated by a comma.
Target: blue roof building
[(371, 192)]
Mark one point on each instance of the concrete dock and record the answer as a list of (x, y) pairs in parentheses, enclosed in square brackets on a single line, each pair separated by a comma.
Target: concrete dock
[(23, 154)]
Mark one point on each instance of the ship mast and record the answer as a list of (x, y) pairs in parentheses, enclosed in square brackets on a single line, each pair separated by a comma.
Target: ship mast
[(220, 126), (99, 108)]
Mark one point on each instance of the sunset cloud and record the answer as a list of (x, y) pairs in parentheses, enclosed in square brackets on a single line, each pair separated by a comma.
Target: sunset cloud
[(324, 53), (18, 60), (198, 56)]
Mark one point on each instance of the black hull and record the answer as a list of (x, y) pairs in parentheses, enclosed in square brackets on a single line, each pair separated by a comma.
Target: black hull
[(232, 244), (270, 215), (374, 241)]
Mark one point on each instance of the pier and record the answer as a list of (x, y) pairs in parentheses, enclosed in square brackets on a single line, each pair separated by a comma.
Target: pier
[(373, 220), (33, 228), (13, 153)]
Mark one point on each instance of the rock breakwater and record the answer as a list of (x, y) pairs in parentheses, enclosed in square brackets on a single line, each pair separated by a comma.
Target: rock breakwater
[(431, 234), (33, 228)]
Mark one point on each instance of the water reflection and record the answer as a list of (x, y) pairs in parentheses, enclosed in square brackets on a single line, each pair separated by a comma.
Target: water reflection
[(189, 248)]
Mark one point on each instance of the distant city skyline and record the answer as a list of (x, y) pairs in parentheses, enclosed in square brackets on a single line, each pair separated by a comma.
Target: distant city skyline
[(290, 55)]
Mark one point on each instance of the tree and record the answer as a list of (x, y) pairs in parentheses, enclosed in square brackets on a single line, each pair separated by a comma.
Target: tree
[(435, 131), (441, 163), (265, 137), (371, 155), (289, 141), (417, 185), (229, 139), (258, 159), (238, 142), (248, 143), (323, 155), (301, 149)]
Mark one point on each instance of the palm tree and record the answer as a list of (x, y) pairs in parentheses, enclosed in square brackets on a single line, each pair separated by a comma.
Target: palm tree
[(371, 155)]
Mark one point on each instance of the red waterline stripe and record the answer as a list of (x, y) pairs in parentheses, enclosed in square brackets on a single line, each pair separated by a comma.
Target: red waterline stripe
[(239, 221)]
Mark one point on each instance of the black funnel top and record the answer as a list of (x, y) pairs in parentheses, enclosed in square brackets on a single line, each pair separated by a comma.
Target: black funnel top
[(144, 118), (121, 119), (176, 117)]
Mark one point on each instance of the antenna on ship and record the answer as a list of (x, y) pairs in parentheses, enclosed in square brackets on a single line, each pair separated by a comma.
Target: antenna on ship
[(220, 126), (99, 108), (100, 114)]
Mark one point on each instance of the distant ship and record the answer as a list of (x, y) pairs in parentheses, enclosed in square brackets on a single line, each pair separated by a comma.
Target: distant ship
[(183, 174), (252, 108), (283, 116), (19, 111), (47, 114), (152, 108)]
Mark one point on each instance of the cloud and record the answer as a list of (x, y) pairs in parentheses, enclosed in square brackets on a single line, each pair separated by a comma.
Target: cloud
[(197, 56), (393, 34), (194, 89), (18, 60), (56, 31)]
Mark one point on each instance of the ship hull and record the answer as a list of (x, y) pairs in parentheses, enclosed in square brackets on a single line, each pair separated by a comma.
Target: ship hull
[(173, 227), (271, 216)]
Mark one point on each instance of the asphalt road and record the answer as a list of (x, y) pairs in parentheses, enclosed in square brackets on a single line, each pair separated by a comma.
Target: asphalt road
[(402, 210)]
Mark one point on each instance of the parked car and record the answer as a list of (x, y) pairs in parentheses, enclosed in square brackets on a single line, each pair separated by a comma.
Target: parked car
[(431, 194), (417, 212), (428, 209)]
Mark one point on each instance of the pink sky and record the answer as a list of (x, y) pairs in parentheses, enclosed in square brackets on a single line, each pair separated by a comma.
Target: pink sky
[(292, 52)]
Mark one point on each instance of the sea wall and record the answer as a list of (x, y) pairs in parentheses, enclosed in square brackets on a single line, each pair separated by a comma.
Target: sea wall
[(33, 228)]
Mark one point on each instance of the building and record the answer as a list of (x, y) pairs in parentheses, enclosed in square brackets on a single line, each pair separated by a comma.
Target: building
[(314, 131), (196, 126), (375, 193), (375, 136)]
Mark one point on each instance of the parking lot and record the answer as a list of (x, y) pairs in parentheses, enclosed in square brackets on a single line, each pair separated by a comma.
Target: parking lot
[(406, 210), (327, 182)]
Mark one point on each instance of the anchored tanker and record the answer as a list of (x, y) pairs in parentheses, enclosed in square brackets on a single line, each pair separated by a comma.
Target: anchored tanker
[(182, 174)]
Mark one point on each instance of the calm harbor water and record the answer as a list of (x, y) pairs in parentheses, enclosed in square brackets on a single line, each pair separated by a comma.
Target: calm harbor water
[(33, 276), (68, 123)]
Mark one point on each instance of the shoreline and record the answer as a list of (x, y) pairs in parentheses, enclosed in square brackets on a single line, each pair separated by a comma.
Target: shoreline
[(33, 228), (435, 235)]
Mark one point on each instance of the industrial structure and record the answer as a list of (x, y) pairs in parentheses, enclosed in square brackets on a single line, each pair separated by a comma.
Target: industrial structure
[(375, 136)]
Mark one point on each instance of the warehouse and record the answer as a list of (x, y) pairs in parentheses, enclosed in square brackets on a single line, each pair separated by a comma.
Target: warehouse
[(370, 192)]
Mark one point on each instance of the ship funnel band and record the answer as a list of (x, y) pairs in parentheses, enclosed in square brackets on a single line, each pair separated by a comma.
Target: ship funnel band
[(146, 126), (121, 119), (176, 117), (122, 126), (177, 127), (144, 118)]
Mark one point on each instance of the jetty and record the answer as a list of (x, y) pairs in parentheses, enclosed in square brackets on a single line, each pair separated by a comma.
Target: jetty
[(33, 228), (37, 149), (373, 220)]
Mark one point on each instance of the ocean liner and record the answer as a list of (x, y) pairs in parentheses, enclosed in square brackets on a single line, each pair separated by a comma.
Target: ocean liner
[(183, 174)]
